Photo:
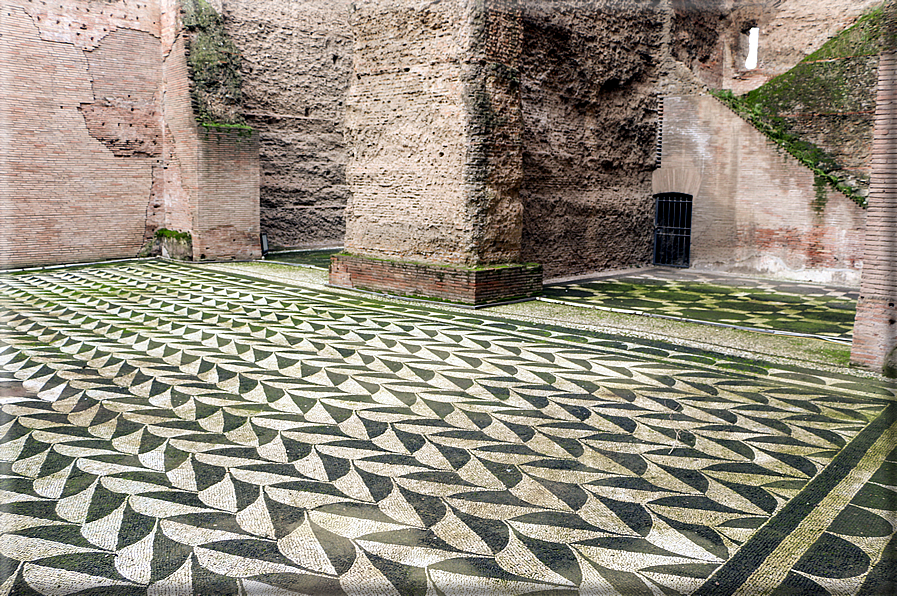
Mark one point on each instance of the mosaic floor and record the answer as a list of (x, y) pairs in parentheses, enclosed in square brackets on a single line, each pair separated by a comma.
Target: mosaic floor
[(761, 304), (168, 430)]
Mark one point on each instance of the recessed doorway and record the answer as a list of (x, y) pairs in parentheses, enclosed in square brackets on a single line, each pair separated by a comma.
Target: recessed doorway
[(672, 229)]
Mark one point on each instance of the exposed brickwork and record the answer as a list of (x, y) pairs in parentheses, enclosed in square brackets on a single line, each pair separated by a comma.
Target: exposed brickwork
[(227, 212), (124, 115), (99, 148), (217, 169), (468, 286), (875, 331), (756, 209), (66, 195)]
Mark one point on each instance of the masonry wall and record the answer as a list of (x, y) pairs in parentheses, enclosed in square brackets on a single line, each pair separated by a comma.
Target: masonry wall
[(99, 141), (710, 36), (296, 64), (433, 126), (454, 284), (756, 209), (589, 73), (80, 135), (212, 172)]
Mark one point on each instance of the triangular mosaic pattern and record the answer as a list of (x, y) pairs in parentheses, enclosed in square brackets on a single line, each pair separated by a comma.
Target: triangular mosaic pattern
[(168, 429)]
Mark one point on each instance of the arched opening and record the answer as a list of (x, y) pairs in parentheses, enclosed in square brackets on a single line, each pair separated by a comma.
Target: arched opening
[(672, 229)]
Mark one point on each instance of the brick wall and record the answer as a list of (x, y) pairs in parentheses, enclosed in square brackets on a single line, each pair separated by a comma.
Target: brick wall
[(214, 170), (875, 330), (98, 143), (227, 212), (468, 286), (756, 209), (80, 137)]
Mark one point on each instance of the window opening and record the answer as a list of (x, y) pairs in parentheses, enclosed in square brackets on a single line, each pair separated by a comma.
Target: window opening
[(753, 48)]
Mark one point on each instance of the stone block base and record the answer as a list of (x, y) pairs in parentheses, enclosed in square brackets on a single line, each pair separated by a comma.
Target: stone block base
[(456, 284)]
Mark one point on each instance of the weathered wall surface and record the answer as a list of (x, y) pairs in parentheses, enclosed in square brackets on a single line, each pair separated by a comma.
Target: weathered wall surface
[(212, 183), (297, 60), (433, 125), (710, 36), (98, 150), (588, 71), (828, 100), (756, 209), (79, 119)]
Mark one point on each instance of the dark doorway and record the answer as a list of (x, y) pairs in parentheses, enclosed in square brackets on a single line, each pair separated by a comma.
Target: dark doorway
[(672, 229)]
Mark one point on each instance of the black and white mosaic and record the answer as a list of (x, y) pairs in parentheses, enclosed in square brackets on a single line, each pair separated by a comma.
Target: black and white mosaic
[(168, 429)]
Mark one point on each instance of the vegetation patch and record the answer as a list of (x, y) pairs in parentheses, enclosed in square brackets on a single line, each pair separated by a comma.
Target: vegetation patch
[(214, 67), (172, 234), (836, 82)]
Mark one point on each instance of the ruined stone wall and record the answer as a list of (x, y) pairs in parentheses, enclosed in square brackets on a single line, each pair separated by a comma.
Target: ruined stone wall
[(80, 139), (756, 209), (710, 37), (589, 73), (296, 63), (433, 123), (96, 145)]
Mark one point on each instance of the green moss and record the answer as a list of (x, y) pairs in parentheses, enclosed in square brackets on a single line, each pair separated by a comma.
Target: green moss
[(838, 78), (441, 265), (863, 38), (820, 162), (214, 66), (173, 234)]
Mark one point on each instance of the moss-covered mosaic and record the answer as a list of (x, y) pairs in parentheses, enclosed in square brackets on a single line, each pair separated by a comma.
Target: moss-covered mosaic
[(756, 306), (171, 429)]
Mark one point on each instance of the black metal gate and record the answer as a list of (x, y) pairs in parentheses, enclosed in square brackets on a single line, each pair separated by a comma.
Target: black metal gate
[(672, 229)]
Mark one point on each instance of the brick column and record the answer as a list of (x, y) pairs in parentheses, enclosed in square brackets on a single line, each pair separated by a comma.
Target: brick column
[(434, 130), (875, 330)]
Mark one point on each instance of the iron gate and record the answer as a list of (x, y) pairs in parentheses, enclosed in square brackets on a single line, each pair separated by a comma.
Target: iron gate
[(672, 229)]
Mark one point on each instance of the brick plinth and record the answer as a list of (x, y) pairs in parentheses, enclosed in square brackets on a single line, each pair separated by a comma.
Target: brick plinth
[(467, 286)]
